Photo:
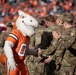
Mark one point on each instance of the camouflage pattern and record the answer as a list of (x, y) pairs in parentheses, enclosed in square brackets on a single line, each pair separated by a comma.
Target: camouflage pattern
[(58, 46), (67, 39), (3, 37), (51, 28), (32, 62), (74, 44), (38, 34), (69, 60), (2, 71), (68, 63), (69, 17)]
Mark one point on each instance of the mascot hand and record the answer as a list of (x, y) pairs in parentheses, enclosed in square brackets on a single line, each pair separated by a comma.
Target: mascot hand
[(11, 64)]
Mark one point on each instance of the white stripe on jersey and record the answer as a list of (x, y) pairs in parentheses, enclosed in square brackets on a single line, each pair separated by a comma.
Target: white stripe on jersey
[(13, 36)]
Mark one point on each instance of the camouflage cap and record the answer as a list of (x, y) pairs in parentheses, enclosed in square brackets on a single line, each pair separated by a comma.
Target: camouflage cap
[(61, 16), (50, 18), (69, 17)]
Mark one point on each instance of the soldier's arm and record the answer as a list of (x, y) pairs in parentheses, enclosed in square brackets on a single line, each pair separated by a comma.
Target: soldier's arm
[(46, 38), (62, 46), (69, 37), (2, 40), (32, 41), (74, 45), (51, 48), (54, 43), (59, 53), (51, 28)]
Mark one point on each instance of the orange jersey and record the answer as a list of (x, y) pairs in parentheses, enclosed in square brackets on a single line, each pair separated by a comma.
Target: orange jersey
[(20, 42)]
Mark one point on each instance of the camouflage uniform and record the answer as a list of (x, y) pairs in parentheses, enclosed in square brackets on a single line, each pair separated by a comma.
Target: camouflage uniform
[(5, 34), (68, 65), (60, 45), (34, 66), (3, 37), (1, 40), (69, 60), (32, 62), (1, 51), (50, 67), (63, 43)]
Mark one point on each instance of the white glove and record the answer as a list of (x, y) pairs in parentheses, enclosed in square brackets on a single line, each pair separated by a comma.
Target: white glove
[(11, 64)]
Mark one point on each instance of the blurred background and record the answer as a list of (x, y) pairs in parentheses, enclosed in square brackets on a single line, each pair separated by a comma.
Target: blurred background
[(37, 8)]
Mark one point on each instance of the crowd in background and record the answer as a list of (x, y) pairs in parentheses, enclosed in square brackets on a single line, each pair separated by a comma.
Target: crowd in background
[(37, 8)]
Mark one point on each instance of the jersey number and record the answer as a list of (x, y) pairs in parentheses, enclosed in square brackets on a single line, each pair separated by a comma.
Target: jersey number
[(22, 50)]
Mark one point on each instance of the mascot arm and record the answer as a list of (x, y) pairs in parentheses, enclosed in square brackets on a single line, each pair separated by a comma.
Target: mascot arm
[(9, 54), (8, 49)]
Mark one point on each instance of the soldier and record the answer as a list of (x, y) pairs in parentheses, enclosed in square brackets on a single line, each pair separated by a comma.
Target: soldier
[(2, 40), (69, 65), (5, 34), (38, 68), (34, 67), (59, 22), (66, 39), (51, 26), (1, 51), (1, 43)]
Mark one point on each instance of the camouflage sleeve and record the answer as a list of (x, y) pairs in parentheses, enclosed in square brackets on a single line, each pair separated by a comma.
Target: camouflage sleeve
[(69, 37), (62, 46), (69, 40), (51, 28), (59, 53), (74, 45), (2, 40), (51, 48), (46, 38), (32, 41)]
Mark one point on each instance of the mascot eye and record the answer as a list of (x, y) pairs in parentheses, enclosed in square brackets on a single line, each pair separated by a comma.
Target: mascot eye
[(30, 20)]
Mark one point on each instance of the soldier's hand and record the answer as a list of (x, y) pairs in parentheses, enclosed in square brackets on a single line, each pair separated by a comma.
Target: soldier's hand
[(48, 60), (39, 52), (56, 35)]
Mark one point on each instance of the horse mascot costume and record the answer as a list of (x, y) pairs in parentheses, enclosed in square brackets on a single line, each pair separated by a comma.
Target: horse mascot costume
[(16, 44)]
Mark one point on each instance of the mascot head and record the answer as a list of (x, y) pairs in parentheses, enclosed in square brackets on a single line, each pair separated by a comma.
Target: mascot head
[(26, 23)]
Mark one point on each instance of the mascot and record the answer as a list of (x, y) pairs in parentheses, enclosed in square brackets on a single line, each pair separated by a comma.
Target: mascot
[(16, 45)]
